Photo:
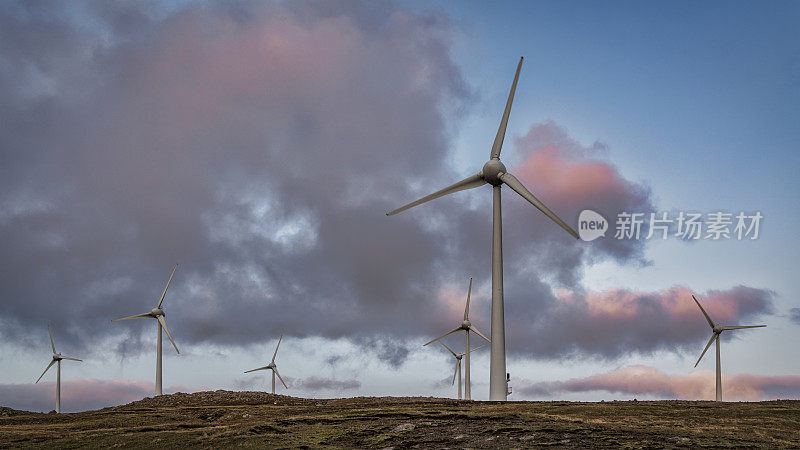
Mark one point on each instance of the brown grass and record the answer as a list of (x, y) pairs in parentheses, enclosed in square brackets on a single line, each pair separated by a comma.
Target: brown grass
[(254, 419)]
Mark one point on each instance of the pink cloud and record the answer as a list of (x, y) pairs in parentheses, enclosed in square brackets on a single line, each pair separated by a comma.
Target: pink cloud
[(79, 394), (76, 395), (615, 322), (676, 302), (648, 381), (569, 175)]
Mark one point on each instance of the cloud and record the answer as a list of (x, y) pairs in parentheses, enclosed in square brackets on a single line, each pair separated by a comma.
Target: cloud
[(615, 322), (315, 383), (76, 395), (645, 381), (259, 145), (794, 315), (570, 177)]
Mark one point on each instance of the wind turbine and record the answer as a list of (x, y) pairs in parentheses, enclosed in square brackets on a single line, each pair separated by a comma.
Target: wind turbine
[(158, 314), (467, 326), (715, 332), (458, 365), (57, 357), (273, 367), (496, 174)]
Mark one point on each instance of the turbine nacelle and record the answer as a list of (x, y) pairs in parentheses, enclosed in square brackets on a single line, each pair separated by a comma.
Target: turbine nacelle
[(155, 312), (492, 170)]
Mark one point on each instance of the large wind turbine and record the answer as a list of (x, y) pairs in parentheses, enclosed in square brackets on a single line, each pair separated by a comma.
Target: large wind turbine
[(467, 326), (273, 367), (158, 314), (715, 332), (457, 372), (496, 174), (57, 357)]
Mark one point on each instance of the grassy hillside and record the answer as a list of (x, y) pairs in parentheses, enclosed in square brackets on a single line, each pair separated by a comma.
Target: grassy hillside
[(224, 419)]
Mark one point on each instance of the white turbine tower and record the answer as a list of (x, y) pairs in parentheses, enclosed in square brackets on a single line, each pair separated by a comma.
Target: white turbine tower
[(715, 332), (457, 372), (496, 174), (467, 326), (158, 314), (57, 357), (273, 367)]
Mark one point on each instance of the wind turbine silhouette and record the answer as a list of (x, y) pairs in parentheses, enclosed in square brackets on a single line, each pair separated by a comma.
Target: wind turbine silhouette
[(715, 332), (273, 367), (458, 357), (467, 326), (496, 174), (57, 357), (158, 314)]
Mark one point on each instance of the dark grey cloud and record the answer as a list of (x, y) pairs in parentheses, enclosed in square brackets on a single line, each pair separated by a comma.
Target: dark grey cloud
[(794, 315), (613, 323), (327, 384), (260, 145)]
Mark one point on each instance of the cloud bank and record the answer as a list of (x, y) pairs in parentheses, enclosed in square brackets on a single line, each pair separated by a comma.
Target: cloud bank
[(645, 381), (615, 322), (259, 145), (76, 395)]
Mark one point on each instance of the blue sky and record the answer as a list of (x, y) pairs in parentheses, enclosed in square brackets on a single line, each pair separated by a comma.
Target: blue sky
[(700, 101)]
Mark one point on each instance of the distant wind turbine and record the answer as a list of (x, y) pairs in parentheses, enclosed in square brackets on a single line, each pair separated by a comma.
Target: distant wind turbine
[(496, 174), (715, 332), (467, 326), (273, 367), (158, 314), (457, 372), (57, 357)]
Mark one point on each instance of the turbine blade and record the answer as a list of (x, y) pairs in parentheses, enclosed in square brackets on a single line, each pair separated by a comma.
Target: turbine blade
[(164, 326), (45, 370), (260, 368), (501, 131), (276, 348), (469, 292), (52, 344), (741, 327), (467, 183), (166, 287), (713, 336), (520, 189), (448, 348), (484, 345), (472, 328), (139, 316), (275, 369), (710, 322), (458, 363), (444, 335), (71, 359)]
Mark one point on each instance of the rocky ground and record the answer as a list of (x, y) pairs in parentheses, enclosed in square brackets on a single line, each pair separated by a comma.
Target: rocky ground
[(255, 419)]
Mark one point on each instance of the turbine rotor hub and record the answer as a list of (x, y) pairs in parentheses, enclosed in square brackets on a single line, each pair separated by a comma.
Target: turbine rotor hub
[(157, 312), (465, 325), (491, 171)]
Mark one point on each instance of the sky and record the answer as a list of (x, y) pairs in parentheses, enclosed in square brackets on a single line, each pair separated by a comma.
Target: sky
[(259, 146)]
